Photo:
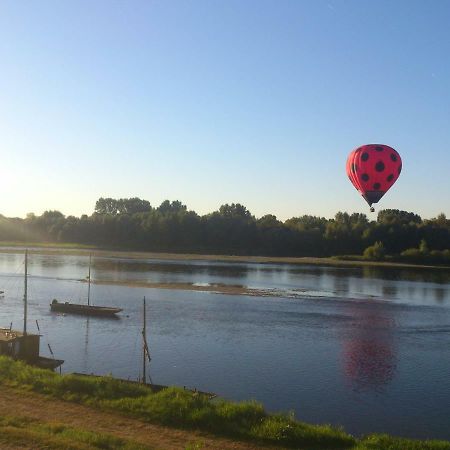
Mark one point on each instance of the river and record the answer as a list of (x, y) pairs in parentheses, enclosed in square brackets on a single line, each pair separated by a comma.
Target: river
[(362, 347)]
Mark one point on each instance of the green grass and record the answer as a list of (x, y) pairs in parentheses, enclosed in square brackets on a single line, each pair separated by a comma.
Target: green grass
[(39, 435), (386, 442), (183, 409), (176, 407)]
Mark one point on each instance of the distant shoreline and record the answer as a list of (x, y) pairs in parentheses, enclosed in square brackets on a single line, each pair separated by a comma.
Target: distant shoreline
[(77, 249)]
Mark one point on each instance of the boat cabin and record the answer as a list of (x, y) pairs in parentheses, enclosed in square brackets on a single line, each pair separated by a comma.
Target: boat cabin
[(26, 348)]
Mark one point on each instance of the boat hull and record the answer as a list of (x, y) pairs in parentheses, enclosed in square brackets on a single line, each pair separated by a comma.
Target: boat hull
[(85, 310), (154, 387)]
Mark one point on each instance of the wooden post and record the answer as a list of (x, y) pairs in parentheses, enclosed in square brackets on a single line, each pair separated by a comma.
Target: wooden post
[(25, 295), (144, 331), (89, 280)]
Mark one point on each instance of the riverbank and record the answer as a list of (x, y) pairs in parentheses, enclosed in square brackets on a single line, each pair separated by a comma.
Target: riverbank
[(40, 409), (76, 249), (38, 421)]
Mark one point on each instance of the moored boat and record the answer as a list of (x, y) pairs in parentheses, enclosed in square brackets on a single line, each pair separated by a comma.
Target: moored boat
[(22, 345), (86, 310), (25, 347)]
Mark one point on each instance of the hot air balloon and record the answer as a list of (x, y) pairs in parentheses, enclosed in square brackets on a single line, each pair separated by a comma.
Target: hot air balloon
[(373, 169)]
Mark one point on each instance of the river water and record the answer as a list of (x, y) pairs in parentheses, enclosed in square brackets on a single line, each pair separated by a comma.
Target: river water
[(365, 348)]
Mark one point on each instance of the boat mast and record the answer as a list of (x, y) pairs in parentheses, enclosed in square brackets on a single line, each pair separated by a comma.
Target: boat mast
[(25, 295), (89, 280), (145, 350), (144, 343)]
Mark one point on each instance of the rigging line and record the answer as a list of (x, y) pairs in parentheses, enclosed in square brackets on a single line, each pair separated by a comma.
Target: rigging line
[(79, 288), (107, 288), (46, 339), (13, 277), (134, 358), (147, 354), (12, 287), (18, 296), (70, 290)]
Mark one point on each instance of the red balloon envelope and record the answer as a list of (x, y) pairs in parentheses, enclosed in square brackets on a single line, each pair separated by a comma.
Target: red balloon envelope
[(373, 169)]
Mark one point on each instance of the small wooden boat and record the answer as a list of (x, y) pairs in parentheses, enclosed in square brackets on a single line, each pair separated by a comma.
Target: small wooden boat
[(152, 386), (85, 310), (22, 345), (25, 347)]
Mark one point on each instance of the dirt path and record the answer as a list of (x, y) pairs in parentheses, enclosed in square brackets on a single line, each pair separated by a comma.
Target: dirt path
[(45, 409)]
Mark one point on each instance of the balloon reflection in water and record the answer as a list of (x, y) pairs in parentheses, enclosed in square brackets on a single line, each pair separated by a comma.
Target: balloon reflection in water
[(369, 350)]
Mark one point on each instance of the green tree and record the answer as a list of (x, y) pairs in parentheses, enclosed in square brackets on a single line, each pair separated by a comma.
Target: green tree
[(133, 205), (396, 216), (235, 210), (268, 221), (107, 206), (307, 222), (167, 207)]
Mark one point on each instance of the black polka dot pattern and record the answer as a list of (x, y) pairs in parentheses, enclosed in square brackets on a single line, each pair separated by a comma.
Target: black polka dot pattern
[(373, 169)]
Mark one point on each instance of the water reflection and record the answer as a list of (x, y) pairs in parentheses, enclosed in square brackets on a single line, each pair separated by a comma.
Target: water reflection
[(389, 291), (341, 285), (86, 347), (386, 331), (169, 267), (439, 294), (369, 355), (440, 275)]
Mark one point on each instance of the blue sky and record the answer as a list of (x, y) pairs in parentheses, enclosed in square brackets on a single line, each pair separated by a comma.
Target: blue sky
[(213, 102)]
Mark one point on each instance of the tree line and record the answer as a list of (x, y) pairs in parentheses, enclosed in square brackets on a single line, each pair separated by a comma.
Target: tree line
[(135, 224)]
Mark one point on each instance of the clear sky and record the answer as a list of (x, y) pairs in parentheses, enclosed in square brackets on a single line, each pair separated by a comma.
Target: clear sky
[(211, 102)]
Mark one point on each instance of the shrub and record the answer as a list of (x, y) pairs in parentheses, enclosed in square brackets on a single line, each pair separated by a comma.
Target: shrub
[(375, 252)]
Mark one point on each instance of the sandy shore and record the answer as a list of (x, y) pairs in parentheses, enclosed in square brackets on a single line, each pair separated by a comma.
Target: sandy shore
[(214, 288), (49, 250)]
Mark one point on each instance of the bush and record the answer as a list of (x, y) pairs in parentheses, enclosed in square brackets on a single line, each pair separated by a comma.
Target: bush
[(423, 255), (375, 252)]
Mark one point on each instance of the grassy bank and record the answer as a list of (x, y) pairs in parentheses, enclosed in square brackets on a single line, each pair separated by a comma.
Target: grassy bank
[(20, 431), (77, 249), (177, 408)]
